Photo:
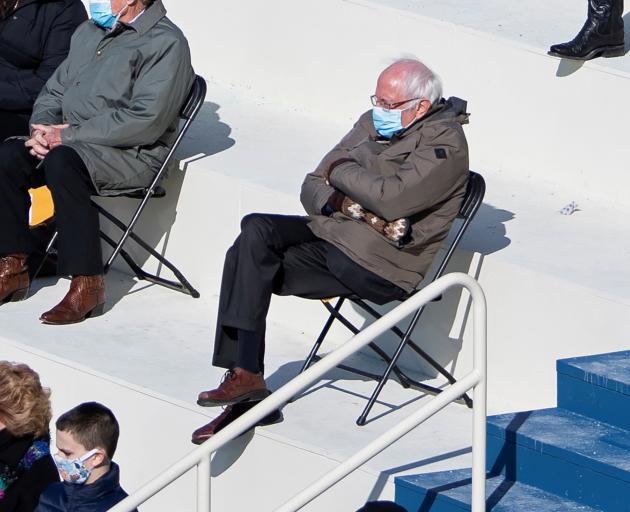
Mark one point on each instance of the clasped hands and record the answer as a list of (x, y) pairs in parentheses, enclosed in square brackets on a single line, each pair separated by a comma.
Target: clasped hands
[(44, 138)]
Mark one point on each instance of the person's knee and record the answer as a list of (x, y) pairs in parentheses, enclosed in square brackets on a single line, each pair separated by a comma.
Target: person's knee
[(256, 227), (57, 163), (10, 152)]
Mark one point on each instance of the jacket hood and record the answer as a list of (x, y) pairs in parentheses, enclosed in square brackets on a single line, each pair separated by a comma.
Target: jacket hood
[(451, 107)]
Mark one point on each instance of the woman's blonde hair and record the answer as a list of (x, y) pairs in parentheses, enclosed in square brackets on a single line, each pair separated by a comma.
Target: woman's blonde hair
[(24, 403)]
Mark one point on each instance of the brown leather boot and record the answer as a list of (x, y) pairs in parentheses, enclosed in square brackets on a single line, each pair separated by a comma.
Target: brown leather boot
[(14, 279), (86, 298), (238, 385), (231, 413)]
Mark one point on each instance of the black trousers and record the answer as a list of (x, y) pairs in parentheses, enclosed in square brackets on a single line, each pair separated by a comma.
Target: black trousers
[(280, 254), (13, 124), (78, 245)]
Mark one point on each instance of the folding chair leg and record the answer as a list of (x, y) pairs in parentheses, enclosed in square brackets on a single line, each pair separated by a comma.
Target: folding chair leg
[(322, 335), (410, 343), (49, 247), (381, 383), (404, 380), (392, 365), (183, 285)]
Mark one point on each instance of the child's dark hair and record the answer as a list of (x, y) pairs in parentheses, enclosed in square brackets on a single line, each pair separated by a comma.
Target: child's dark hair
[(93, 425)]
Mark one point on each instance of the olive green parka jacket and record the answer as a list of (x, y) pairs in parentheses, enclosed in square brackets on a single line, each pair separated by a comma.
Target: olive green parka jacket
[(420, 173)]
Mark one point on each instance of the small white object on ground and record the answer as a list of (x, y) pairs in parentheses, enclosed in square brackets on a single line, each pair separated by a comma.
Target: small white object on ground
[(569, 209)]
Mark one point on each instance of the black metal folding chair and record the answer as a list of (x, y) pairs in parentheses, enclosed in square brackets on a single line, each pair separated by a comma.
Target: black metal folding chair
[(188, 113), (471, 203)]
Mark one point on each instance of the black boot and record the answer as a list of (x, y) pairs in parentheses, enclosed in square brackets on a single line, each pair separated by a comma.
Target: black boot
[(601, 35)]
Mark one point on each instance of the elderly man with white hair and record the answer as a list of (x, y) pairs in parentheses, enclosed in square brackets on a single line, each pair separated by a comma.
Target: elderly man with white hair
[(379, 205)]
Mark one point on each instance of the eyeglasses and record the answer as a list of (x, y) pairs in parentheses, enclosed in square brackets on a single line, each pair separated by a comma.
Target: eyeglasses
[(378, 102)]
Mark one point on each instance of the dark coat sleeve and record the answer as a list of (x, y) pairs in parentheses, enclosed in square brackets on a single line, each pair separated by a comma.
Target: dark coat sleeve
[(315, 192), (19, 87)]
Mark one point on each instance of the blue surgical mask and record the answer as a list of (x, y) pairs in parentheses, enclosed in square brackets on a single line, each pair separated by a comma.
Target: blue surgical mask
[(387, 122), (74, 471), (101, 13)]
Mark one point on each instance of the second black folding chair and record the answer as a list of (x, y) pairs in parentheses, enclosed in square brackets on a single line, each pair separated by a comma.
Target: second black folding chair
[(188, 113)]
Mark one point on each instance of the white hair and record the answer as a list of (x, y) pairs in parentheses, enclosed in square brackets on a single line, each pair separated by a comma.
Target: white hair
[(420, 81)]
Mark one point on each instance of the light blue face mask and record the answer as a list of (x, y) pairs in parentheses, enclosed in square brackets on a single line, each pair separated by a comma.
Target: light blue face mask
[(101, 13), (387, 122), (74, 471)]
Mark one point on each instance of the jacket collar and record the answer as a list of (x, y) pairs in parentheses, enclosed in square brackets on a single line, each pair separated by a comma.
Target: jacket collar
[(151, 16), (107, 484), (454, 108)]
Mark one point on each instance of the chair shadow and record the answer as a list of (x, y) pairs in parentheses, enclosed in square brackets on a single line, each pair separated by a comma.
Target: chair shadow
[(384, 475), (506, 463), (566, 67), (441, 329), (335, 379), (207, 136)]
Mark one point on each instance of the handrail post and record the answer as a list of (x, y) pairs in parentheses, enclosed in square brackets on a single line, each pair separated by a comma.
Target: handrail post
[(203, 485), (479, 400)]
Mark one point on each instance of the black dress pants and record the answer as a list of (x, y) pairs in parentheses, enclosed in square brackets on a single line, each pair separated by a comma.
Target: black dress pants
[(13, 124), (78, 244), (280, 254)]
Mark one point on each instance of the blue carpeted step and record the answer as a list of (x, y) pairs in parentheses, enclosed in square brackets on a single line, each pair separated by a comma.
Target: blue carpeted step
[(564, 453), (450, 491), (597, 386)]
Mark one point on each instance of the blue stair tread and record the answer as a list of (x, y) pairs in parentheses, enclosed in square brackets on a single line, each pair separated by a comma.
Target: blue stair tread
[(454, 488), (610, 371), (568, 436)]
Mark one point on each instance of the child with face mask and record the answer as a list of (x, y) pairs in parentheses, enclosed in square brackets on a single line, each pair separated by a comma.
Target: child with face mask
[(86, 441)]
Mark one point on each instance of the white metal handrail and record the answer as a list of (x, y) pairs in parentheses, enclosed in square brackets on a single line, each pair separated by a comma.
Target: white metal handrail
[(476, 379)]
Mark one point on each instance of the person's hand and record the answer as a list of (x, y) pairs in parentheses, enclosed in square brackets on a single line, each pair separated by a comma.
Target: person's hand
[(37, 144), (51, 133)]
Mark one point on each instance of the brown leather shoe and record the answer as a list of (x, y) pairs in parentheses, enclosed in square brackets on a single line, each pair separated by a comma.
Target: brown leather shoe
[(86, 298), (238, 385), (230, 413), (14, 279)]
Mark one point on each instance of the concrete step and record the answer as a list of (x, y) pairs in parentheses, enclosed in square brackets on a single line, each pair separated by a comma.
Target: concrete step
[(563, 453), (597, 386), (450, 491), (492, 53)]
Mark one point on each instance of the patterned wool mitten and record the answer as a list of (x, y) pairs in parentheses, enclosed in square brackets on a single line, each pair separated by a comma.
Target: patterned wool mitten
[(395, 230), (352, 209), (398, 229)]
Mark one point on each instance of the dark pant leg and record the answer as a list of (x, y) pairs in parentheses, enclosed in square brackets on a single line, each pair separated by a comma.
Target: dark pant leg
[(13, 124), (17, 172), (279, 254), (253, 270), (78, 245)]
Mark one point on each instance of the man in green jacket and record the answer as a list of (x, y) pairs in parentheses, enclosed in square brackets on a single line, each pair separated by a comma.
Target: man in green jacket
[(103, 123), (379, 206)]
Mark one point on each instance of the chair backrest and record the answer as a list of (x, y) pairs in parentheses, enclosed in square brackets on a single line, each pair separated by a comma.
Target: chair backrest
[(474, 195), (189, 111), (195, 99), (475, 191)]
